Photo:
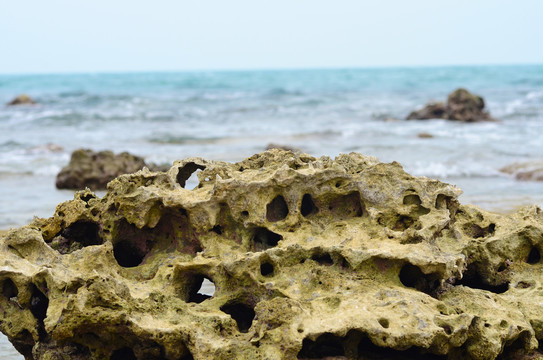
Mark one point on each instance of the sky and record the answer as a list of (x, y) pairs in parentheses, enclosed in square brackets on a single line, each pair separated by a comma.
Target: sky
[(53, 36)]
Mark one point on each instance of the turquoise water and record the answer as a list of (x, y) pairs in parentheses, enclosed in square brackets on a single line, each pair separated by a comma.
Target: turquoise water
[(232, 115)]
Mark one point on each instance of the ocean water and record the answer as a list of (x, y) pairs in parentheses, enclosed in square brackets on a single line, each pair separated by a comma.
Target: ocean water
[(232, 115)]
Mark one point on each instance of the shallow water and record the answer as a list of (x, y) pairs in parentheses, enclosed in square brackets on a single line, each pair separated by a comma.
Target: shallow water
[(232, 115)]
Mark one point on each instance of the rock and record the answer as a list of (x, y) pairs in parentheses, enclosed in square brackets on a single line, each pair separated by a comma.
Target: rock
[(22, 99), (461, 106), (465, 106), (526, 171), (282, 147), (425, 135), (310, 258), (434, 110), (95, 169)]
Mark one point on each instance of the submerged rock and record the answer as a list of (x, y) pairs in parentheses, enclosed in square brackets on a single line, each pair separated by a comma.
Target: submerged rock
[(22, 99), (310, 258), (526, 171), (94, 170), (461, 106)]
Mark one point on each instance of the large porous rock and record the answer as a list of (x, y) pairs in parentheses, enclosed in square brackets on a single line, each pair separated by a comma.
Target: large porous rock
[(525, 171), (94, 170), (309, 258), (22, 99), (461, 106)]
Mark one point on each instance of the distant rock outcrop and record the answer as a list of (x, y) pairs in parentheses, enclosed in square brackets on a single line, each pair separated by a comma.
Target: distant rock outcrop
[(94, 170), (526, 171), (282, 147), (310, 258), (461, 106), (22, 99)]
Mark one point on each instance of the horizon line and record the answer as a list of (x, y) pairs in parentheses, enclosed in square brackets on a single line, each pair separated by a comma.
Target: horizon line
[(263, 69)]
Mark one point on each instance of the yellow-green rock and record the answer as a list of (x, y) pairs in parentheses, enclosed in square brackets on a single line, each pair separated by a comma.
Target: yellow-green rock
[(310, 258)]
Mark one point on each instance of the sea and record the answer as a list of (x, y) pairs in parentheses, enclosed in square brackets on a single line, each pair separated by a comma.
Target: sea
[(230, 115)]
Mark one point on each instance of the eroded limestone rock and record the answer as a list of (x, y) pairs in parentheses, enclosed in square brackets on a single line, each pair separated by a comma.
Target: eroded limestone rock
[(310, 257)]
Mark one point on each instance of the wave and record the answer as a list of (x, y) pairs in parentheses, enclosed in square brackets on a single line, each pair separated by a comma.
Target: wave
[(169, 139), (447, 171)]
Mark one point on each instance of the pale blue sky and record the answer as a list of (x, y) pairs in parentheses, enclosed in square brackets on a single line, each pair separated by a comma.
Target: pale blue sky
[(122, 35)]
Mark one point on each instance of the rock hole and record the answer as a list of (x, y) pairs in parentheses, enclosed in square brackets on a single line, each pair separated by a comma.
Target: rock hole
[(265, 239), (421, 210), (184, 173), (413, 277), (524, 285), (86, 233), (128, 254), (515, 348), (473, 279), (346, 206), (123, 354), (447, 329), (491, 228), (244, 214), (202, 289), (326, 345), (308, 206), (384, 323), (217, 229), (403, 222), (87, 197), (323, 259), (24, 342), (266, 269), (442, 202), (534, 256), (242, 314), (368, 350), (277, 209), (412, 200), (476, 232), (9, 289), (38, 304)]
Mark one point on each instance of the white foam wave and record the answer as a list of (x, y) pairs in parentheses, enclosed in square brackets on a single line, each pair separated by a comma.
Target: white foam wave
[(450, 170)]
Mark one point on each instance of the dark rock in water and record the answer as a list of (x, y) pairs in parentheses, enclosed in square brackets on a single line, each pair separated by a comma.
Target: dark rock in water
[(465, 106), (424, 135), (22, 99), (434, 110), (95, 169), (461, 106), (527, 171)]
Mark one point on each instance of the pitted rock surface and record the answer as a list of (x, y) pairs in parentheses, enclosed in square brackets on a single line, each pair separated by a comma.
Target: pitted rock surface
[(310, 258)]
